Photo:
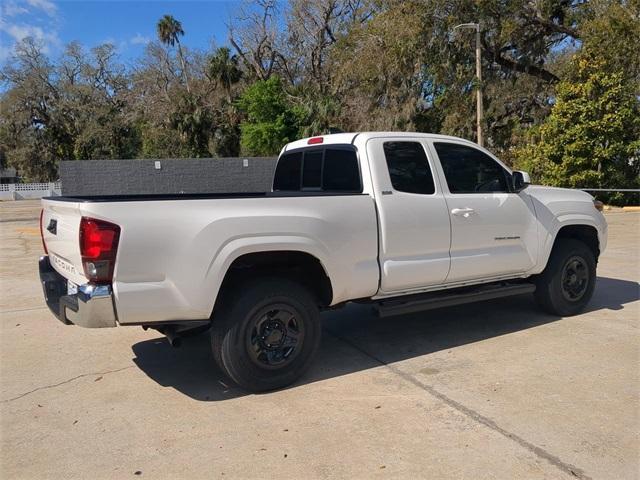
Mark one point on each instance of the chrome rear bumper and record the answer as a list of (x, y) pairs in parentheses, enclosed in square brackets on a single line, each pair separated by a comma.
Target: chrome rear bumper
[(91, 307)]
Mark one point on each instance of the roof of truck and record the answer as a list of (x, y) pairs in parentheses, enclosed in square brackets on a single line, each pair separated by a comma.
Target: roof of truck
[(349, 138)]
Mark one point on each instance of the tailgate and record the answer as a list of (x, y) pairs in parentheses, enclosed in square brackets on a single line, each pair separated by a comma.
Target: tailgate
[(61, 232)]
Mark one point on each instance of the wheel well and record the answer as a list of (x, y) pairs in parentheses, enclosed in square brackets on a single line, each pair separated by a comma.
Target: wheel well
[(299, 266), (585, 233)]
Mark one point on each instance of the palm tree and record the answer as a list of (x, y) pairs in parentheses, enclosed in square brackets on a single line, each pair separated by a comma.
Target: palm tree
[(223, 68), (169, 30)]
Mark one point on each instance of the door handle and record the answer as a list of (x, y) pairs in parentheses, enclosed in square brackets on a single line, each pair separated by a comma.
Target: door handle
[(462, 212)]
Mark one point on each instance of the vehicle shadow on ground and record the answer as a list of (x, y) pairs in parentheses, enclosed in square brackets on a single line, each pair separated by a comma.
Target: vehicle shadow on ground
[(355, 339)]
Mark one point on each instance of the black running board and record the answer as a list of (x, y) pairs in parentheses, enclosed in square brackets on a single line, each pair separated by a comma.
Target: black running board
[(449, 298)]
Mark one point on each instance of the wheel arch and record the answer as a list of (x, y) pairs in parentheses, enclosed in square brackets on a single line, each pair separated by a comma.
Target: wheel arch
[(295, 264), (583, 232)]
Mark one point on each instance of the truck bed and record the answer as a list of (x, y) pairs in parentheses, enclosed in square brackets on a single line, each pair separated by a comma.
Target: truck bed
[(174, 250), (193, 196)]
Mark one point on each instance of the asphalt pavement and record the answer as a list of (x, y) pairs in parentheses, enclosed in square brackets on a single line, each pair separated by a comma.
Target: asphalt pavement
[(491, 390)]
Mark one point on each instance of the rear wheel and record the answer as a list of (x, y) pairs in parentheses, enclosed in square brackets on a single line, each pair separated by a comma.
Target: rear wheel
[(567, 283), (267, 335)]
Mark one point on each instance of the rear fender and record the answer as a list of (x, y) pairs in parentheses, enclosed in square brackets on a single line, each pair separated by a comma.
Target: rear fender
[(237, 247)]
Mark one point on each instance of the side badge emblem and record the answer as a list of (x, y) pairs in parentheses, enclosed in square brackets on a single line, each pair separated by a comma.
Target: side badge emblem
[(53, 226)]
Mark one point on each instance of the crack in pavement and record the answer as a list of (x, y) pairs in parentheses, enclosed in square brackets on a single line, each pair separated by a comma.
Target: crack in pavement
[(469, 412), (46, 387)]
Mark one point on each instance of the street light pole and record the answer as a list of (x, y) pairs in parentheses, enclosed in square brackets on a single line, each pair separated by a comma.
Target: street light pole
[(479, 106)]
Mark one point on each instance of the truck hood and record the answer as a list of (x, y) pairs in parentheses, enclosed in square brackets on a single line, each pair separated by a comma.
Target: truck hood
[(548, 195), (557, 202)]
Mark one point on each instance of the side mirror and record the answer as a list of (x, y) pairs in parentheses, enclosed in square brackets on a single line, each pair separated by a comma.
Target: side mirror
[(521, 180)]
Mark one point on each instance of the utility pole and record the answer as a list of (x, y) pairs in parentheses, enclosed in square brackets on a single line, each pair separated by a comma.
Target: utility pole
[(479, 107)]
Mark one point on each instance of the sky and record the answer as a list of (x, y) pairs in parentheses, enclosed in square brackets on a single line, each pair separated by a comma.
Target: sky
[(128, 24)]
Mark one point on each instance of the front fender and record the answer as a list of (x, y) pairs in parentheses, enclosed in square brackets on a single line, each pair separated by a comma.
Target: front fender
[(557, 208), (565, 220)]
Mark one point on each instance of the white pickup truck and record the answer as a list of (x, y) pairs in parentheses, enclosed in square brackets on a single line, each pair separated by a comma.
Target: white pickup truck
[(403, 221)]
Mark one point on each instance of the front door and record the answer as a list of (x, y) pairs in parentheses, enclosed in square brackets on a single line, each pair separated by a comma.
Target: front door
[(493, 230), (414, 221)]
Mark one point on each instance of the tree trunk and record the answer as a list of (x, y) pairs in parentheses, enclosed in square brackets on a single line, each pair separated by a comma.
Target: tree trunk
[(184, 66)]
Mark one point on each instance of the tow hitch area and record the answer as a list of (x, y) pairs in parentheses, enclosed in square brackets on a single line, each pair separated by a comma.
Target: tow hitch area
[(176, 332)]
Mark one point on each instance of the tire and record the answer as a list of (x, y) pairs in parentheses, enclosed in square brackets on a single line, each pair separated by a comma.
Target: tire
[(566, 285), (266, 335)]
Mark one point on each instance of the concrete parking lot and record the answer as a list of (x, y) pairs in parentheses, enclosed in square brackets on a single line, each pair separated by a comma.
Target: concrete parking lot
[(491, 390)]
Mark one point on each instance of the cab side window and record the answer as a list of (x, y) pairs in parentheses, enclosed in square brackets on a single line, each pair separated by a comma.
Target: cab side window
[(468, 170), (408, 167)]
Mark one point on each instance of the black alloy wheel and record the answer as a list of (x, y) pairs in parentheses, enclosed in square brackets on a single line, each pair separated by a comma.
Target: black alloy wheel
[(575, 278), (266, 333), (276, 336)]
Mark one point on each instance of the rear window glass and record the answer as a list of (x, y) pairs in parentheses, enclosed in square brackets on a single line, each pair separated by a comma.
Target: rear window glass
[(312, 170), (287, 175), (341, 172), (328, 169)]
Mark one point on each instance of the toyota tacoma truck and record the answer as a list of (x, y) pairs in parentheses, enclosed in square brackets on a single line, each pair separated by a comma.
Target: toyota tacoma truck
[(403, 221)]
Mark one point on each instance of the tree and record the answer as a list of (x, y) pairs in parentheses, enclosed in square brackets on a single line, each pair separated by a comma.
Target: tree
[(402, 68), (169, 32), (34, 133), (307, 67), (376, 69), (255, 37), (270, 120), (95, 89), (606, 30), (313, 27), (591, 139), (226, 137), (224, 69), (195, 124)]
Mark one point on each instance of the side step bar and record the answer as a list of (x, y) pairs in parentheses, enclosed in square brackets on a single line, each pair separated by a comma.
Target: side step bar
[(449, 298)]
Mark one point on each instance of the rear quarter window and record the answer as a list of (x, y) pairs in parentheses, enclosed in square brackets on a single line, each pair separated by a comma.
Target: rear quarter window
[(408, 166)]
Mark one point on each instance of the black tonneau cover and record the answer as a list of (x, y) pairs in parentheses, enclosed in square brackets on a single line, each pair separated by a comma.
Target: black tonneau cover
[(194, 196)]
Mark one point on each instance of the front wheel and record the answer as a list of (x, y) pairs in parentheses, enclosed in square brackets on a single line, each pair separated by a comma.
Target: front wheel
[(267, 335), (566, 285)]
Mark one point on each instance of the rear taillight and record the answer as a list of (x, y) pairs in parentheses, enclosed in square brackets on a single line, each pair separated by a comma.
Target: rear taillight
[(44, 245), (98, 247)]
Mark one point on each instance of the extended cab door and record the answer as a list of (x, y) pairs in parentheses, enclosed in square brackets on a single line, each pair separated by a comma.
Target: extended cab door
[(414, 220), (493, 229)]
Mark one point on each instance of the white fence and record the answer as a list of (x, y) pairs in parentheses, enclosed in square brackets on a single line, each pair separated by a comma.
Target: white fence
[(21, 191)]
